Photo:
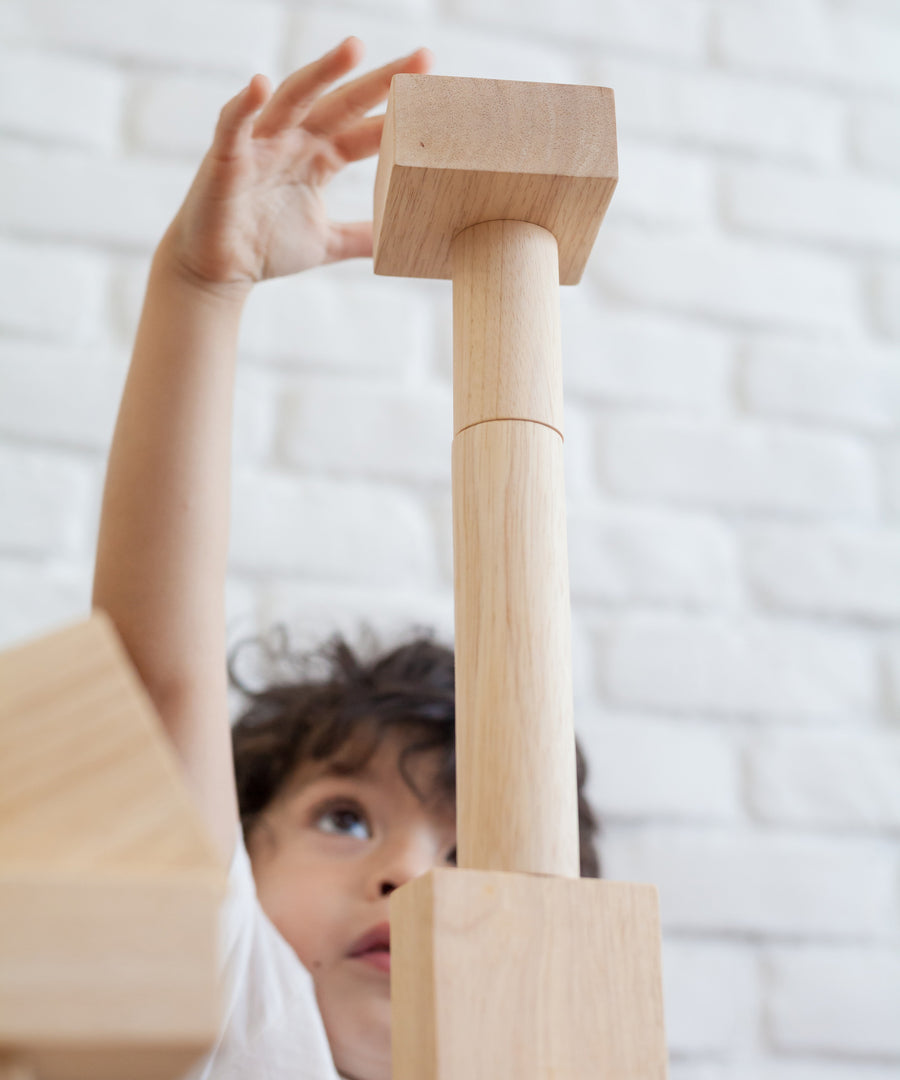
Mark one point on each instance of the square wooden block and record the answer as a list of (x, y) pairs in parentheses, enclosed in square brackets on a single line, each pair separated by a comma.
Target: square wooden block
[(107, 975), (497, 975), (458, 151), (109, 882)]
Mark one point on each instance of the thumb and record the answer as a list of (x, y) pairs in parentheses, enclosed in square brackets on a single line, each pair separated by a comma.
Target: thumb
[(350, 240)]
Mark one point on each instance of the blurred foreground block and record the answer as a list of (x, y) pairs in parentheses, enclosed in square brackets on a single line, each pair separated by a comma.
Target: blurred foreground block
[(109, 883)]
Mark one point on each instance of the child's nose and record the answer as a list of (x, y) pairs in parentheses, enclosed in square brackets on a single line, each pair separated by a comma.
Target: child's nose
[(405, 860)]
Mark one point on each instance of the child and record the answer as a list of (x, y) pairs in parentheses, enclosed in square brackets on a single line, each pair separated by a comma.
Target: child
[(345, 785)]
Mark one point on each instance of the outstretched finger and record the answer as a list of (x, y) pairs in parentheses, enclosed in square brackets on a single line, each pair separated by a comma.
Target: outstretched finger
[(349, 240), (234, 128), (294, 97), (362, 141), (345, 105)]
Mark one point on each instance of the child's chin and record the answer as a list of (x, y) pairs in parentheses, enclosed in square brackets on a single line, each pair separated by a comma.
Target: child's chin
[(362, 1047)]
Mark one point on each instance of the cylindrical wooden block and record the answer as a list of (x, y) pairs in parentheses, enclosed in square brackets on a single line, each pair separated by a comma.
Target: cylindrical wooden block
[(516, 785), (506, 342)]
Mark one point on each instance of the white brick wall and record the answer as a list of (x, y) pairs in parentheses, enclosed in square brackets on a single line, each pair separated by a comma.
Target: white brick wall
[(832, 779), (625, 554), (763, 883), (329, 528), (748, 282), (886, 299), (738, 466), (710, 107), (839, 43), (61, 99), (851, 1010), (327, 425), (712, 997), (732, 374), (873, 127), (838, 571), (642, 767), (759, 668), (823, 382), (48, 497), (49, 291), (846, 211), (216, 34)]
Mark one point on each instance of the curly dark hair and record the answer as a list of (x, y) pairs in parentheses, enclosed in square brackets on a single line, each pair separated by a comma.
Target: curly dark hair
[(343, 710)]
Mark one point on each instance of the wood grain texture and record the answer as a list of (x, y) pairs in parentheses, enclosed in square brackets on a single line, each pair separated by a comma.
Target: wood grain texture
[(507, 967), (458, 151), (107, 965), (515, 743), (109, 882), (522, 977), (87, 775), (507, 362)]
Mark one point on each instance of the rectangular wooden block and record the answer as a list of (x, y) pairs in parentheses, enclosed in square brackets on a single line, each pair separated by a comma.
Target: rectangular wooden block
[(88, 777), (497, 975), (109, 883), (107, 976), (458, 151)]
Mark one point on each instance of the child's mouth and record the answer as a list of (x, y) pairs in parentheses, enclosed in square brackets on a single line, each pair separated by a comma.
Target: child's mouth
[(379, 958)]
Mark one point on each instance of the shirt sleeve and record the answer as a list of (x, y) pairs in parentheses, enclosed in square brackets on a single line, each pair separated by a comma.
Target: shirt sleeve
[(271, 1027)]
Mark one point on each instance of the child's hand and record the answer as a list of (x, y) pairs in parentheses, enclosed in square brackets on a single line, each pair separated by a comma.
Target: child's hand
[(255, 209)]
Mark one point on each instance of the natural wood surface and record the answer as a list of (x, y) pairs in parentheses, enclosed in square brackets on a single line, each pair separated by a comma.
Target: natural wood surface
[(458, 151), (105, 974), (516, 785), (508, 967), (109, 883), (515, 743), (497, 976), (506, 339), (87, 776)]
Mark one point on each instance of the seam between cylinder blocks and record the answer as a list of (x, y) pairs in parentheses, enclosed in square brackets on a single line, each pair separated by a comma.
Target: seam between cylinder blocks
[(500, 419)]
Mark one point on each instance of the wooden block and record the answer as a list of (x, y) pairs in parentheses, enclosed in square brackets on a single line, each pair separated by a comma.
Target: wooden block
[(109, 883), (507, 361), (526, 977), (517, 807), (87, 775), (105, 975), (457, 151)]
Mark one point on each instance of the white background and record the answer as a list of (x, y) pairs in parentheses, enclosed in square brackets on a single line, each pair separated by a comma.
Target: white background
[(732, 366)]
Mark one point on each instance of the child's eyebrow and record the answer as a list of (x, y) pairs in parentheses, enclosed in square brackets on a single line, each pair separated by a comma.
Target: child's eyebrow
[(335, 768), (332, 770)]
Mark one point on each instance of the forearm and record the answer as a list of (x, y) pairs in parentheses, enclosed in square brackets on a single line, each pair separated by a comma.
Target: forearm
[(163, 539)]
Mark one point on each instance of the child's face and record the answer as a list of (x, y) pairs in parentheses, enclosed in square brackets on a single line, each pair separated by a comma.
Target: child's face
[(330, 852)]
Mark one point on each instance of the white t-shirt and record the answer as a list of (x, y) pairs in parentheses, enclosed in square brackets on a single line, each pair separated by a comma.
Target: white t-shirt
[(271, 1025)]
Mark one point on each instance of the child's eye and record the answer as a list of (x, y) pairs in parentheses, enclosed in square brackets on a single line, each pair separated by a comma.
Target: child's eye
[(342, 819)]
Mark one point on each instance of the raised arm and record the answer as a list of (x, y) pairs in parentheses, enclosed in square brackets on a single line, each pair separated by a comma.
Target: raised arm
[(163, 541), (254, 211)]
